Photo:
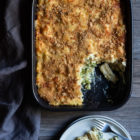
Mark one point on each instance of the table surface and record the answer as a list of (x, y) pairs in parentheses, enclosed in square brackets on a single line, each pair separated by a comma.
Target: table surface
[(53, 123)]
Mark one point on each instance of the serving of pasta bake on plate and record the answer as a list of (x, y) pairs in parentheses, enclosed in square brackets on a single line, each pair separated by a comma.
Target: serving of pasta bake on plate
[(73, 37), (95, 134)]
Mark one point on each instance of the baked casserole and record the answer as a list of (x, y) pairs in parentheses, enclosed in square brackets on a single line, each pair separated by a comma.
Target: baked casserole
[(72, 38)]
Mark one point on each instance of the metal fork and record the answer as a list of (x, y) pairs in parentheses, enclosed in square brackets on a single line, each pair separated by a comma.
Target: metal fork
[(104, 127)]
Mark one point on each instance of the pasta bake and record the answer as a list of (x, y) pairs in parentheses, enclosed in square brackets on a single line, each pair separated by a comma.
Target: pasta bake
[(72, 38), (95, 134)]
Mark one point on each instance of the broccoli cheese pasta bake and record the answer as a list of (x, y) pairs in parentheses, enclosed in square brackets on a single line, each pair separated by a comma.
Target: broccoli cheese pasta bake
[(72, 38), (95, 134)]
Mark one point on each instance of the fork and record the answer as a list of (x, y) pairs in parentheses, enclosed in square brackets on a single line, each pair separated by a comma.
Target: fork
[(104, 127)]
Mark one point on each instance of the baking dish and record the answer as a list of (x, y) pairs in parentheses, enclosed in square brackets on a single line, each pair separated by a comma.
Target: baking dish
[(102, 96)]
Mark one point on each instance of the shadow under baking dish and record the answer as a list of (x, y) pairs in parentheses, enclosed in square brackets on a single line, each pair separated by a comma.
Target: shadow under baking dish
[(103, 96)]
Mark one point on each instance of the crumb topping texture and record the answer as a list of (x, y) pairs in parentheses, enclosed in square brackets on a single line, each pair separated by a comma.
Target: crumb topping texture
[(67, 32)]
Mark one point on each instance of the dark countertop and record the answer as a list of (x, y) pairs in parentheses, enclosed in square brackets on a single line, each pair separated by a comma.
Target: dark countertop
[(53, 123)]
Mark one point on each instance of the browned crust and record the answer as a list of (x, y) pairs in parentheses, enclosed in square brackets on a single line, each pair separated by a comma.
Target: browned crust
[(67, 31)]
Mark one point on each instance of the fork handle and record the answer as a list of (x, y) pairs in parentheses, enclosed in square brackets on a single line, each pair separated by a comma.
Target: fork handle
[(124, 138)]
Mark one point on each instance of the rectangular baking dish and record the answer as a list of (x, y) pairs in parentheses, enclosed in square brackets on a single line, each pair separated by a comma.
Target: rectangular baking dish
[(100, 100)]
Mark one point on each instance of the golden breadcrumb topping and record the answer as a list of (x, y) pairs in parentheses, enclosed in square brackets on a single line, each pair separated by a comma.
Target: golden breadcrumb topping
[(67, 32)]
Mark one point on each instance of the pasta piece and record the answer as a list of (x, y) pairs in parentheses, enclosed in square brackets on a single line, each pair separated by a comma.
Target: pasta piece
[(108, 73), (85, 137), (92, 135)]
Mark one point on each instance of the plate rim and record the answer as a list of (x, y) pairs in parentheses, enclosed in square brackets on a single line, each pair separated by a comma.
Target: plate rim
[(125, 131)]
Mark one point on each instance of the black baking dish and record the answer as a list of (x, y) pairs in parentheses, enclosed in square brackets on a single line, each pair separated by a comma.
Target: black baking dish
[(113, 98)]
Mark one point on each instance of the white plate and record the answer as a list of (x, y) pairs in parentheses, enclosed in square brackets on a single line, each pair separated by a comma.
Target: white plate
[(84, 124)]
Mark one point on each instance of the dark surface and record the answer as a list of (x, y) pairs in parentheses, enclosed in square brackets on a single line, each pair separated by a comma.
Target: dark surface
[(53, 123), (19, 118), (102, 91)]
